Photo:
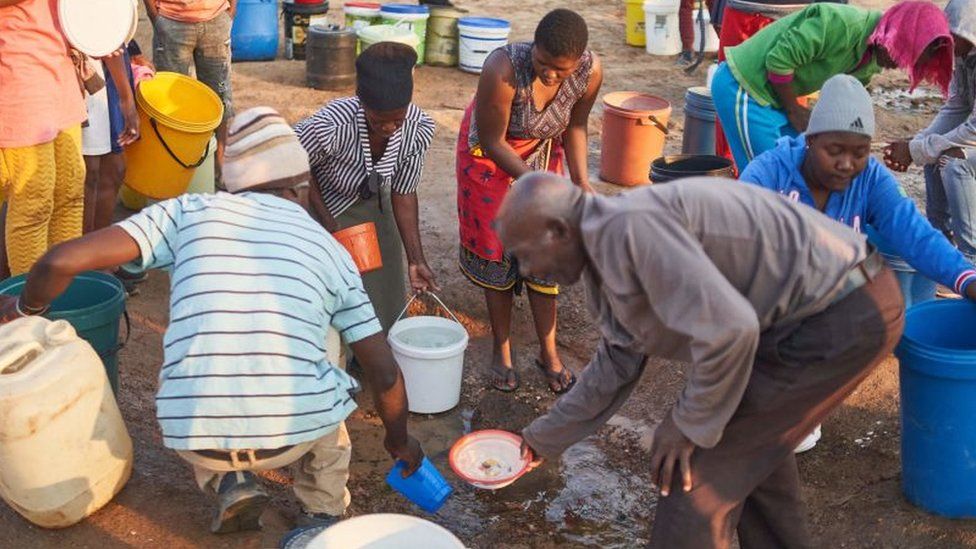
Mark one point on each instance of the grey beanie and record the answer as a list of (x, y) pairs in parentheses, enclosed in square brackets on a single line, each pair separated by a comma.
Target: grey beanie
[(844, 106)]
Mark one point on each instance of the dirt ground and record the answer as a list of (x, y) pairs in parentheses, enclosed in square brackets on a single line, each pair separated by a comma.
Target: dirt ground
[(599, 495)]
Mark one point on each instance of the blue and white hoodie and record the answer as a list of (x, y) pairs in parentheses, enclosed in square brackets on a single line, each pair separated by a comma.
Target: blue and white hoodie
[(874, 198)]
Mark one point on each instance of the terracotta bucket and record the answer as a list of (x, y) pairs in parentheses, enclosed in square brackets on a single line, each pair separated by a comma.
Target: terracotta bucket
[(635, 126), (363, 245)]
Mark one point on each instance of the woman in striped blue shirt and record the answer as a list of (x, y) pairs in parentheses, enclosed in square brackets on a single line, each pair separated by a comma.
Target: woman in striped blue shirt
[(367, 154)]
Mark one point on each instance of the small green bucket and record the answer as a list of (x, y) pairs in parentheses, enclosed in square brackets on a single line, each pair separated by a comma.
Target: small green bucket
[(93, 303)]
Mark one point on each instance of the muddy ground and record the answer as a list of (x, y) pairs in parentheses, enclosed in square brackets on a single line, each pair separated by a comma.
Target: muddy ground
[(599, 494)]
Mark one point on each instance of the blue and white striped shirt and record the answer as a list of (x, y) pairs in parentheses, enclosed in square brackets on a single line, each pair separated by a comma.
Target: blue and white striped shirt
[(255, 284)]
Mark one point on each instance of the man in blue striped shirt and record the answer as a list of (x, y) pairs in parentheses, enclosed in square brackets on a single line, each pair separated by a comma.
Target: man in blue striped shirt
[(256, 284)]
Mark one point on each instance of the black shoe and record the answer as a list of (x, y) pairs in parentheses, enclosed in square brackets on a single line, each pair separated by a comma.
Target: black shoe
[(307, 520), (130, 280), (241, 501), (685, 59)]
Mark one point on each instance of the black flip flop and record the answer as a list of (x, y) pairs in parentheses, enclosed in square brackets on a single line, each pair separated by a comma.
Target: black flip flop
[(497, 374), (553, 376)]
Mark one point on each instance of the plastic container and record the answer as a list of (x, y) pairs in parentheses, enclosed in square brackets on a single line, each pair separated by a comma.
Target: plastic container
[(937, 355), (635, 126), (711, 38), (178, 116), (430, 353), (680, 166), (94, 304), (490, 459), (359, 15), (383, 531), (661, 27), (477, 38), (915, 287), (699, 134), (203, 180), (330, 58), (441, 49), (363, 245), (409, 16), (635, 34), (254, 36), (426, 487), (387, 33), (97, 27), (64, 449), (298, 19)]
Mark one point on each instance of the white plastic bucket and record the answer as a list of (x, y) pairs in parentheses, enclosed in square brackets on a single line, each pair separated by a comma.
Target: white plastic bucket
[(711, 39), (385, 531), (478, 37), (661, 26), (387, 33), (430, 352), (360, 15)]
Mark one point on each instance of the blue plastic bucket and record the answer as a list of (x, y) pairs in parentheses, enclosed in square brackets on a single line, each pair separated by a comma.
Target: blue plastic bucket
[(426, 486), (699, 132), (938, 404), (254, 36), (93, 303), (915, 287)]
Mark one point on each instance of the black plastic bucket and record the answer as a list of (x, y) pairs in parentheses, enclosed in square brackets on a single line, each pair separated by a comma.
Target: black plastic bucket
[(298, 17), (679, 166)]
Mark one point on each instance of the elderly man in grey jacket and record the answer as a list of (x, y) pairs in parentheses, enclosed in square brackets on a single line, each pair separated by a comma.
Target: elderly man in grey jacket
[(947, 148), (780, 310)]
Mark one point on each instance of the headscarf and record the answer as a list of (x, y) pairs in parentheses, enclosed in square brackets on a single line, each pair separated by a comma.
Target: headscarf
[(905, 30), (384, 76), (263, 153), (962, 18)]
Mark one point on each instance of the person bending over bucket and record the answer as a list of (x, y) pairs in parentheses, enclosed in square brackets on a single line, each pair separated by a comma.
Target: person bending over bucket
[(750, 289), (256, 285)]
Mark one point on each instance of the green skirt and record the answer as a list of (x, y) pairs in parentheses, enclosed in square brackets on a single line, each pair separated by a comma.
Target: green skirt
[(386, 287)]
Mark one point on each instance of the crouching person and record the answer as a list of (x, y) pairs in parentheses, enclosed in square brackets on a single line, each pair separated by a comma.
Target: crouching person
[(255, 285)]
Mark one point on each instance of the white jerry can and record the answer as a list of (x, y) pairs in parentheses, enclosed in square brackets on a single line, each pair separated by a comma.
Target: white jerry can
[(64, 450)]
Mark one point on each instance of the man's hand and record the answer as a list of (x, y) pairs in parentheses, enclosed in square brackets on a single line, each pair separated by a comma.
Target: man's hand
[(422, 279), (409, 452), (587, 188), (799, 117), (949, 155), (898, 156), (9, 313), (535, 461), (670, 448)]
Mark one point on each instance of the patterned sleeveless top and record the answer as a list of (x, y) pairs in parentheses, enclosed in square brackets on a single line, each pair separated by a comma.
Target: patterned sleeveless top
[(526, 121)]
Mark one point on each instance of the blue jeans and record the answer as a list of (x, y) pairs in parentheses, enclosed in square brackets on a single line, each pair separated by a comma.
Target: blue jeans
[(950, 201)]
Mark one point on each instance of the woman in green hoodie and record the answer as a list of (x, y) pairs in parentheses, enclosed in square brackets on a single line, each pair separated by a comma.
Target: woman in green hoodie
[(756, 90)]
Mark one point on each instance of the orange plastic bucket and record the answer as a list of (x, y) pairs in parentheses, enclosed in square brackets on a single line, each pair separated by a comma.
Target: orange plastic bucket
[(363, 245), (635, 126)]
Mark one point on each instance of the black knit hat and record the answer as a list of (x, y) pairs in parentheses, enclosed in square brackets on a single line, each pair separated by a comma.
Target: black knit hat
[(384, 76)]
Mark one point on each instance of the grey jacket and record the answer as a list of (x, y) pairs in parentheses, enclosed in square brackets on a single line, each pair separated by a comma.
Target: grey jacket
[(955, 124)]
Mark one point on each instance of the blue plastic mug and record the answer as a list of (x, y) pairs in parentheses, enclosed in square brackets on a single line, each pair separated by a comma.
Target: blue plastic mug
[(426, 486)]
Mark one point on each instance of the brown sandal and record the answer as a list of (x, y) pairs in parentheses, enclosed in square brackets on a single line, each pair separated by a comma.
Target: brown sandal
[(503, 374), (558, 377)]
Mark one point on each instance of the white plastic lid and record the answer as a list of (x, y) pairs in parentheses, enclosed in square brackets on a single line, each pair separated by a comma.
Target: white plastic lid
[(96, 27)]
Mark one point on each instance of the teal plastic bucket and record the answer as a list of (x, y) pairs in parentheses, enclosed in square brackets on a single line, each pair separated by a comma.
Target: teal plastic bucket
[(93, 303)]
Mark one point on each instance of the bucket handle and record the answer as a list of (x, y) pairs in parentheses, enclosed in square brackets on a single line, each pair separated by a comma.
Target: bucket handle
[(652, 120), (433, 295), (195, 165)]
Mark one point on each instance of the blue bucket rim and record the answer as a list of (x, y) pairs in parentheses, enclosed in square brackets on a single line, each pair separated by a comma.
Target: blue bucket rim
[(118, 302), (411, 9), (950, 357), (485, 22)]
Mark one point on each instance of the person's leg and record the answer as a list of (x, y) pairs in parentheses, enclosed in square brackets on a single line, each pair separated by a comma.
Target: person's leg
[(800, 375), (69, 188), (499, 303), (92, 174), (936, 203), (212, 58), (27, 175), (686, 28), (173, 45), (543, 307), (4, 266), (322, 473), (959, 181), (110, 179), (727, 96)]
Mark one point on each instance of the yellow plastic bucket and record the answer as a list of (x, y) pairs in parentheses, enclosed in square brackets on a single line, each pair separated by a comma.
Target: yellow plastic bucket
[(635, 23), (177, 116), (131, 199)]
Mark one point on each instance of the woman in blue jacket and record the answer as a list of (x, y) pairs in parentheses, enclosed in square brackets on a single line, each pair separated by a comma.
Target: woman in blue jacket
[(830, 168)]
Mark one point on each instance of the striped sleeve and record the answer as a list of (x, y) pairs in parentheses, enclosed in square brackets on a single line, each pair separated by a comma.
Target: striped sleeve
[(317, 134), (411, 164), (354, 317), (156, 230)]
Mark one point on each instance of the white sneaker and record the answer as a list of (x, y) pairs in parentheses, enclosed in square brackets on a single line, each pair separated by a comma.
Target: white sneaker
[(809, 442)]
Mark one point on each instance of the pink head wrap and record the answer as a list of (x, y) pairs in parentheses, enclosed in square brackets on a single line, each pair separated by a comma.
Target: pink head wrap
[(905, 30)]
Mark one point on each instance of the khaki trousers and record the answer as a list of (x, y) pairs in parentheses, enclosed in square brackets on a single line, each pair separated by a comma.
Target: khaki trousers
[(320, 467)]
